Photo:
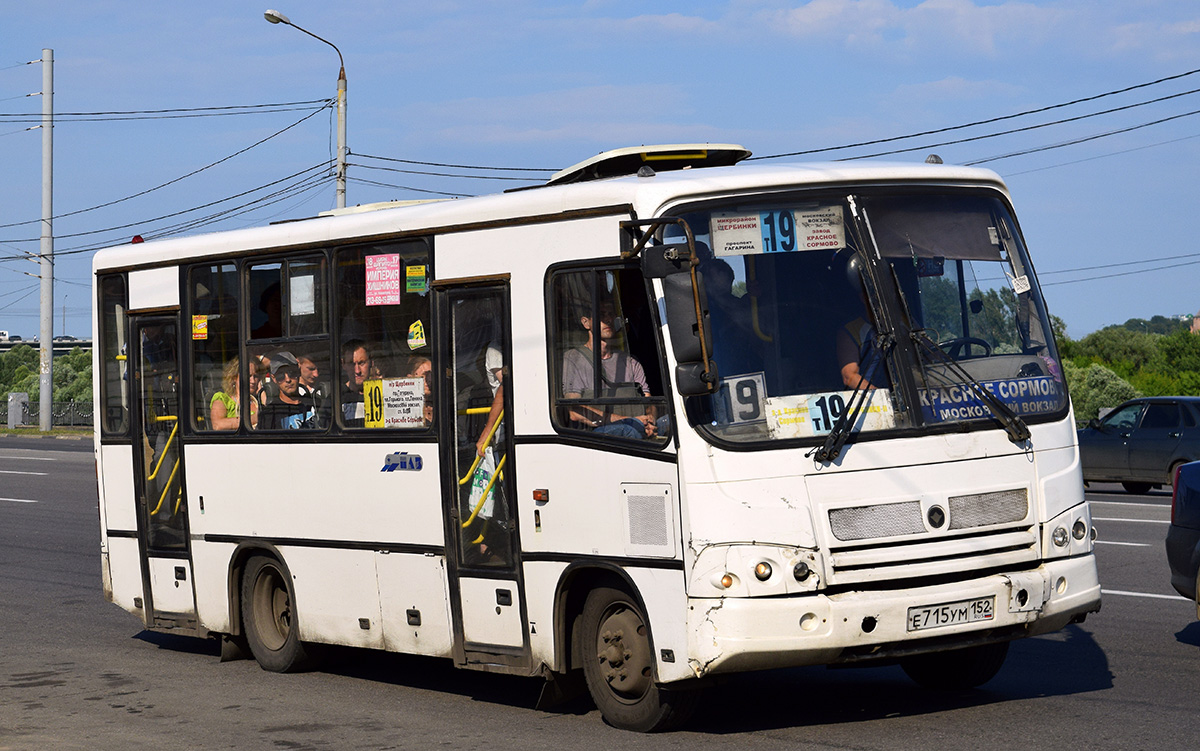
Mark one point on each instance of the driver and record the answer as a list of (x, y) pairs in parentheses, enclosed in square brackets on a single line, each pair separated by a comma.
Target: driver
[(860, 361)]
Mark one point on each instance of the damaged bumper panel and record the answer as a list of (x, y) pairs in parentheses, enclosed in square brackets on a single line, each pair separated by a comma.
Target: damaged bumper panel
[(738, 634)]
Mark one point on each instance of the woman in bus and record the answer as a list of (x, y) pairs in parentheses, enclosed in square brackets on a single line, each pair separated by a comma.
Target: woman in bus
[(223, 407)]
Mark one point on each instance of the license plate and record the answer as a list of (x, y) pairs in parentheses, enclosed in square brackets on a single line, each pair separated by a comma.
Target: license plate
[(951, 613)]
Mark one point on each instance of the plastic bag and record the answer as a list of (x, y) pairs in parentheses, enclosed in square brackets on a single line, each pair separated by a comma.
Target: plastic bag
[(479, 483)]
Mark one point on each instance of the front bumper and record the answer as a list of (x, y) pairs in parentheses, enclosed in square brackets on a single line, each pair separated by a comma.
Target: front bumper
[(738, 634)]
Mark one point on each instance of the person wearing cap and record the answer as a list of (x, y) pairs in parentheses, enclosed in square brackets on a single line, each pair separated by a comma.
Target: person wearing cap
[(290, 410)]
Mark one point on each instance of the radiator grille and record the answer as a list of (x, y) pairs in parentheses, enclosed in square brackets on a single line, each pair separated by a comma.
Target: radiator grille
[(985, 509), (886, 520)]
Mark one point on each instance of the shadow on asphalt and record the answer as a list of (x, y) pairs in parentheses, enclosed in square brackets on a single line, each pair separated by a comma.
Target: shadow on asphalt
[(1064, 663), (1189, 634)]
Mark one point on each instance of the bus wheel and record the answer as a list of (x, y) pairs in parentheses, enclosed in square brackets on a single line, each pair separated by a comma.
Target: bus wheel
[(618, 666), (269, 618), (956, 669)]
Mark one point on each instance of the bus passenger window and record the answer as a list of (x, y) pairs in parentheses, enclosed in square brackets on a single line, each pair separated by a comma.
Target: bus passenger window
[(114, 375), (608, 367), (383, 338), (213, 301)]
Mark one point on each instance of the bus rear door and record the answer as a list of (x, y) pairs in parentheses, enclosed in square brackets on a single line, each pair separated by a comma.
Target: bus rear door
[(169, 597)]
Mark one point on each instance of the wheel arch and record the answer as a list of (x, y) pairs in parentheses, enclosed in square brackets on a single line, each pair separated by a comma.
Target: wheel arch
[(574, 585), (237, 566)]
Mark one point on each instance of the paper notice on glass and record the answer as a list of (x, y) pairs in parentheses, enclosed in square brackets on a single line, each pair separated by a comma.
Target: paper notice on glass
[(383, 279)]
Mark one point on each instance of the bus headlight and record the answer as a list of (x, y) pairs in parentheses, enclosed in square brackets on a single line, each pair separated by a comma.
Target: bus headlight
[(750, 571), (1060, 537), (1068, 534)]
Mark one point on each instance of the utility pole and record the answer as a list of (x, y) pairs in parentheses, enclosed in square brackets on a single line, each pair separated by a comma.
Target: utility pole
[(46, 337)]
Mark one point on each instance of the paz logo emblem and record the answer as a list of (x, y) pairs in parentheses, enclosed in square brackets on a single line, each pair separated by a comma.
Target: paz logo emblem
[(402, 461), (936, 517)]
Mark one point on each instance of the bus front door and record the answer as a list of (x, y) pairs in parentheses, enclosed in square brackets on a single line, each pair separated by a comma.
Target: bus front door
[(487, 605), (168, 596)]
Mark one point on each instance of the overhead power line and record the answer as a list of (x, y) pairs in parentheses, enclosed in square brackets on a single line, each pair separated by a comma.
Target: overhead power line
[(459, 166), (988, 121), (163, 185), (166, 114)]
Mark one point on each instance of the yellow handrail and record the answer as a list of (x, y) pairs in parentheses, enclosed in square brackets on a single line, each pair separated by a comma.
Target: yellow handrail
[(486, 491), (163, 497), (475, 411), (491, 433), (167, 448)]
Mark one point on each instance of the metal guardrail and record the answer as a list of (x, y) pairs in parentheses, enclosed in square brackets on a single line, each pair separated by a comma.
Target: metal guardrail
[(66, 414)]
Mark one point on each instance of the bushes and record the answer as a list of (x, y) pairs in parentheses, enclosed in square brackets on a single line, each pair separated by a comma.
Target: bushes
[(72, 374)]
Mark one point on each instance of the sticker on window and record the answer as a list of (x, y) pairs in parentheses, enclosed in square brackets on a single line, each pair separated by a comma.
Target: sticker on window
[(414, 277), (383, 279), (416, 335), (199, 327)]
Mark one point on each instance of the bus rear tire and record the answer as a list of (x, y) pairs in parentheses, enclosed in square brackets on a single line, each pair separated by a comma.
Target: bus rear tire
[(269, 617), (619, 666), (956, 669)]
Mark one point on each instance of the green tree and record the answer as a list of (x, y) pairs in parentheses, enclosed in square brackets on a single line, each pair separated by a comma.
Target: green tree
[(1095, 387)]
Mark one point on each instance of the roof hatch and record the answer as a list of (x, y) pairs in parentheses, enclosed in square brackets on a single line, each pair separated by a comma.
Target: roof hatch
[(629, 160)]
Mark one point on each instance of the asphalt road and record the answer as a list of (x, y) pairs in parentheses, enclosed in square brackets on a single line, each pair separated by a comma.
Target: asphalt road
[(77, 673)]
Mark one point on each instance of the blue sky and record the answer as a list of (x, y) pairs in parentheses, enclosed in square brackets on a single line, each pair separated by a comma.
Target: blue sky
[(528, 84)]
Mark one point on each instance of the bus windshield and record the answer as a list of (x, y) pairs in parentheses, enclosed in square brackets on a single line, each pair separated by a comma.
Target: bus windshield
[(923, 300)]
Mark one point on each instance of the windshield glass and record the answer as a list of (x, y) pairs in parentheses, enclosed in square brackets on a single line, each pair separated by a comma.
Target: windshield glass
[(911, 297)]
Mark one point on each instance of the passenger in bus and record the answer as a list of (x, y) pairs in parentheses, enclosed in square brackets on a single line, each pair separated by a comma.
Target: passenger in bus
[(493, 363), (270, 303), (421, 367), (622, 376), (356, 366), (224, 405), (291, 410), (310, 378)]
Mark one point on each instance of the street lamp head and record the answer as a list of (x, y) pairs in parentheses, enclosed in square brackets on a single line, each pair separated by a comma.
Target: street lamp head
[(275, 16)]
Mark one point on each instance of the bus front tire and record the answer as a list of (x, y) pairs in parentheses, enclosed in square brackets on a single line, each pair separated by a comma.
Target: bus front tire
[(619, 666), (958, 668), (269, 617)]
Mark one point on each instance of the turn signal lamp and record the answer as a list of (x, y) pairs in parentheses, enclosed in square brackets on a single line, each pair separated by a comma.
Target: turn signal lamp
[(762, 571), (727, 581)]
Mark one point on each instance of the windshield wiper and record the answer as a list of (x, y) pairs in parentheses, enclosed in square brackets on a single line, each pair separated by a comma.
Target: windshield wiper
[(844, 426), (1014, 426)]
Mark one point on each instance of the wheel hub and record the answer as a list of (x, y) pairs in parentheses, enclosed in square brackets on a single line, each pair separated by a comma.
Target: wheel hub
[(623, 652)]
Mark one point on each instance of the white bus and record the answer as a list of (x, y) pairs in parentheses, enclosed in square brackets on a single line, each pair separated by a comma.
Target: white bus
[(665, 418)]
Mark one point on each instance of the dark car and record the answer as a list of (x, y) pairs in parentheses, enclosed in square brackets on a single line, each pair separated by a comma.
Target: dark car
[(1142, 442), (1183, 536)]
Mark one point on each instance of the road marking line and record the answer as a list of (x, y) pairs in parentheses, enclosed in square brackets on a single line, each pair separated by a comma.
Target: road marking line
[(1127, 503), (18, 500), (16, 472), (29, 458), (1140, 521), (1131, 544), (1143, 594)]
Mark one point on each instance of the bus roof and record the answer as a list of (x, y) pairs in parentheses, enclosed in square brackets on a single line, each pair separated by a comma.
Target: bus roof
[(646, 194)]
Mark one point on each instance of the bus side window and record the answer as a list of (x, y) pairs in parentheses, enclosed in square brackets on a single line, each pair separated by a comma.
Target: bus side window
[(213, 303), (382, 331), (609, 377), (114, 350)]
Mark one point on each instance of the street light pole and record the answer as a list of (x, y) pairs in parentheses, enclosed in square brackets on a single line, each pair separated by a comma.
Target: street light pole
[(275, 16)]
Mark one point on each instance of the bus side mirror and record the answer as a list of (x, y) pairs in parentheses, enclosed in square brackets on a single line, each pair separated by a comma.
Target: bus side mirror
[(662, 261), (692, 378)]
